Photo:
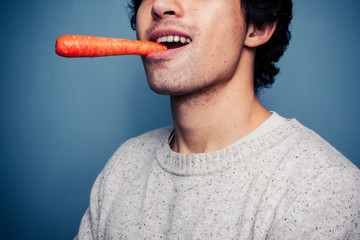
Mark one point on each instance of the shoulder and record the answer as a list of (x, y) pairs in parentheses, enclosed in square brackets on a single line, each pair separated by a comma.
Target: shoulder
[(142, 144), (311, 150), (130, 161), (309, 166), (153, 136), (146, 141), (136, 152), (312, 157), (323, 190)]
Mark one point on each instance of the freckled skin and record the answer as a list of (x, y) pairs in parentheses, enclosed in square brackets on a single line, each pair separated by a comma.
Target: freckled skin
[(210, 80), (204, 62)]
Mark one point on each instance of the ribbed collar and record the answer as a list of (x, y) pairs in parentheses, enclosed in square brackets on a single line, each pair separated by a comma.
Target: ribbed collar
[(272, 131)]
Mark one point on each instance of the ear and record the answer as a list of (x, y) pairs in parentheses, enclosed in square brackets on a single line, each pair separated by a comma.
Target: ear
[(258, 36)]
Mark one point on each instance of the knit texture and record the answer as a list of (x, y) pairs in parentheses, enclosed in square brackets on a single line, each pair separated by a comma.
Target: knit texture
[(282, 181)]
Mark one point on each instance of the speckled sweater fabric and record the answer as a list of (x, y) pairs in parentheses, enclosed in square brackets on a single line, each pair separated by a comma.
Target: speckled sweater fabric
[(282, 181)]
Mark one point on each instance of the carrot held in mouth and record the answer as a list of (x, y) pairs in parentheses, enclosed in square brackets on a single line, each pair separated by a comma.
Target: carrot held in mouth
[(88, 46)]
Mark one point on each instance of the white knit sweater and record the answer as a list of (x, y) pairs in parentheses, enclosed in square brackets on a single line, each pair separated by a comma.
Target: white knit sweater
[(280, 182)]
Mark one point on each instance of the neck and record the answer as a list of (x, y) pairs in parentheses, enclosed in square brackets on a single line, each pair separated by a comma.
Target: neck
[(214, 118)]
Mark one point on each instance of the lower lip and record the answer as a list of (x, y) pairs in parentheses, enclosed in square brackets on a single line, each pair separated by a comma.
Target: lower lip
[(164, 54)]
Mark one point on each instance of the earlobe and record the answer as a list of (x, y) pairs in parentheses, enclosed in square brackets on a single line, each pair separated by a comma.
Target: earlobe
[(258, 36)]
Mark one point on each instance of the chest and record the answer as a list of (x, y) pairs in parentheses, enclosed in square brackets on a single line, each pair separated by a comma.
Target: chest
[(231, 203)]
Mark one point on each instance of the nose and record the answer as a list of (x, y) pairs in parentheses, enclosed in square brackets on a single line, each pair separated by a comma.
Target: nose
[(166, 8)]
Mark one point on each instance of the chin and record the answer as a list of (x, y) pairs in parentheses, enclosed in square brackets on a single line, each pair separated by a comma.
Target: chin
[(166, 87), (166, 84), (167, 90)]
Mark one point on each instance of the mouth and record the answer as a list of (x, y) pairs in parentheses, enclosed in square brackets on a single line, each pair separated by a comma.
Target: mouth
[(171, 38), (173, 41)]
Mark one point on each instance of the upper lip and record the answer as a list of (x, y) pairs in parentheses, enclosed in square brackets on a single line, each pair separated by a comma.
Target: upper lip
[(167, 32)]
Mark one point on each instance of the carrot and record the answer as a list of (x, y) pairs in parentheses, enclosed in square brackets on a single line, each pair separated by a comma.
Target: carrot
[(88, 46)]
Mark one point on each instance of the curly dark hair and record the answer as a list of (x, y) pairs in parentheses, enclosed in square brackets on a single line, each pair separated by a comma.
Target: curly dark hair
[(258, 12)]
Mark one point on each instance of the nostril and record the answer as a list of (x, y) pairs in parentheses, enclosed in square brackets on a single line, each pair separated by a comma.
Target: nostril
[(155, 14), (170, 13)]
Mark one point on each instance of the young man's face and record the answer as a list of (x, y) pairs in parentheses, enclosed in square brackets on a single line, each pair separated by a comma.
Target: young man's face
[(216, 32)]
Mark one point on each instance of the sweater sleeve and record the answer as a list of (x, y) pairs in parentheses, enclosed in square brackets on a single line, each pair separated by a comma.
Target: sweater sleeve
[(101, 196), (327, 207), (90, 221)]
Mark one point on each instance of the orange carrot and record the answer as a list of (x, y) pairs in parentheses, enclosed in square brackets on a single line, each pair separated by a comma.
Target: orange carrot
[(87, 46)]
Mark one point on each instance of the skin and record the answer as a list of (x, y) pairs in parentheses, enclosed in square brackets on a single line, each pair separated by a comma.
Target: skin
[(210, 81)]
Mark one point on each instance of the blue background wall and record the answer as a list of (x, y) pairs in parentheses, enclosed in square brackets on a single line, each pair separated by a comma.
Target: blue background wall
[(61, 119)]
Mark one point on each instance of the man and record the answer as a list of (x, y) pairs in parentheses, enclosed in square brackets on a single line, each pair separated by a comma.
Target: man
[(229, 168)]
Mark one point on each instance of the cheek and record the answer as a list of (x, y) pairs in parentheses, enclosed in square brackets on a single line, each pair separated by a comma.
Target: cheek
[(225, 47), (222, 55), (223, 38), (141, 20)]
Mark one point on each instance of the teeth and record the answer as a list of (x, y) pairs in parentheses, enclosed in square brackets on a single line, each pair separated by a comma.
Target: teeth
[(172, 38)]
